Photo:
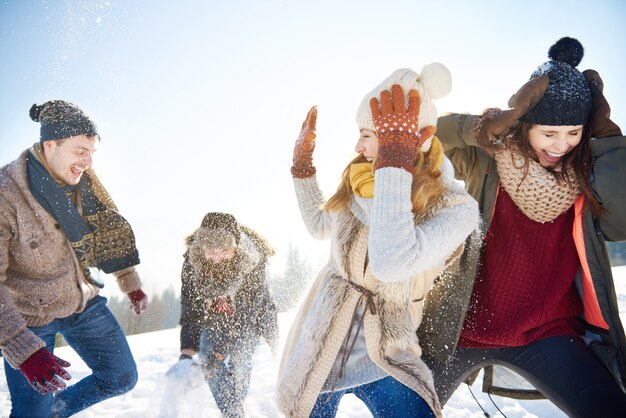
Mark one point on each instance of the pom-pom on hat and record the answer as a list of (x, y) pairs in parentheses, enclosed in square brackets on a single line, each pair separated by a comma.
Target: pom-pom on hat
[(60, 119), (433, 83), (567, 100)]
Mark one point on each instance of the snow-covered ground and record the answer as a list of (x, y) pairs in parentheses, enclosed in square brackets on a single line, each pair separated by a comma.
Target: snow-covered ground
[(158, 396)]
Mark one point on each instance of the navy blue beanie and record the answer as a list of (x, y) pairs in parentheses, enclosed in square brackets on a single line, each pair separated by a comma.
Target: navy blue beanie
[(567, 100), (60, 119)]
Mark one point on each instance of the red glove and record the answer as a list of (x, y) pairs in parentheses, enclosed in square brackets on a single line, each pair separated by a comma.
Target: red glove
[(138, 301), (223, 305), (44, 371), (399, 136), (303, 150)]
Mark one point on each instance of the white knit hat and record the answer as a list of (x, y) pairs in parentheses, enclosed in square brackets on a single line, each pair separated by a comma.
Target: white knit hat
[(434, 83)]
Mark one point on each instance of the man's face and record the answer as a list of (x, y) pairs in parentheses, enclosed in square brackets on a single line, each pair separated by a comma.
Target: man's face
[(69, 158), (217, 255)]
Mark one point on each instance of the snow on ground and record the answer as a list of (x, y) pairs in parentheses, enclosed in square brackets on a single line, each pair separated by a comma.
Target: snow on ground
[(159, 396)]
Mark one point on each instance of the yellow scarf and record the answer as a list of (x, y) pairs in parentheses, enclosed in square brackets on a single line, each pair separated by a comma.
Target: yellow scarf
[(362, 179), (362, 174)]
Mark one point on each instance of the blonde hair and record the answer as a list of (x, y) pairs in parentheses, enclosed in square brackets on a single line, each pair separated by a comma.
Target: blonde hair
[(426, 189)]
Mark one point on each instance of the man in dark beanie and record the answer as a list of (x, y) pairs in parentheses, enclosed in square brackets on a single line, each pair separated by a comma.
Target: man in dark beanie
[(226, 306), (57, 222)]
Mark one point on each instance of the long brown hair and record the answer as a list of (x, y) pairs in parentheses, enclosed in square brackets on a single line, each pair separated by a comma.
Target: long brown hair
[(426, 189), (578, 161)]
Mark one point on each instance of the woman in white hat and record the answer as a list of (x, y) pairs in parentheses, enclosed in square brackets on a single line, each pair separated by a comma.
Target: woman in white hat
[(396, 221)]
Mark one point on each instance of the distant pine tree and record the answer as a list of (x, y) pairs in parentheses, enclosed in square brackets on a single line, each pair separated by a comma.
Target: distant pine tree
[(288, 289)]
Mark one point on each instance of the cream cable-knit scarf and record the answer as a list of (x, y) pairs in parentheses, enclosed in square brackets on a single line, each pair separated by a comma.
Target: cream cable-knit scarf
[(539, 195)]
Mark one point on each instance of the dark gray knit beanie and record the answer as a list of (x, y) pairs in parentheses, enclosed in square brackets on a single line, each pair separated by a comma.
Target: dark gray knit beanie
[(567, 100), (60, 119), (215, 220)]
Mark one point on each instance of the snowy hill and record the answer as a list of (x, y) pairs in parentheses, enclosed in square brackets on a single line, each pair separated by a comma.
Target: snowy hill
[(158, 396)]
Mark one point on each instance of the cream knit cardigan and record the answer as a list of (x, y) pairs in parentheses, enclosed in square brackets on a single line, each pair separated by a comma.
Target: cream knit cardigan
[(404, 259)]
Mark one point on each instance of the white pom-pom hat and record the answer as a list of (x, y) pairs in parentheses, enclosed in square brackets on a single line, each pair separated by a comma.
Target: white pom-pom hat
[(433, 83)]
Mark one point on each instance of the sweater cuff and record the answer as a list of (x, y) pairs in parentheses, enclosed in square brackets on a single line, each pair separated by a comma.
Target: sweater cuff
[(392, 191), (128, 279), (21, 347), (309, 190)]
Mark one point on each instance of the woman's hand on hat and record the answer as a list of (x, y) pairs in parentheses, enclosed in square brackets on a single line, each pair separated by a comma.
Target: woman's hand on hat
[(397, 128), (302, 167), (521, 102), (600, 123)]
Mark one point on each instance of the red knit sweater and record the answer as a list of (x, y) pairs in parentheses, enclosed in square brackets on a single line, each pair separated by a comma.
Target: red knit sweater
[(524, 288)]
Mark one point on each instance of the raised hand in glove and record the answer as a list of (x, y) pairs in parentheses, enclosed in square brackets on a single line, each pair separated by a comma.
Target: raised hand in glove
[(44, 371), (495, 122), (600, 122), (397, 128), (303, 150), (138, 301)]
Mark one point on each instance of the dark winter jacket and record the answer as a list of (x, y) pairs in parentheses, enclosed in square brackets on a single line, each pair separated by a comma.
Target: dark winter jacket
[(255, 313), (445, 311)]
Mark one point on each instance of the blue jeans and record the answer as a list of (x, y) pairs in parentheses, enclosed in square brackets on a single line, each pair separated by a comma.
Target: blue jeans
[(385, 398), (229, 385), (98, 339)]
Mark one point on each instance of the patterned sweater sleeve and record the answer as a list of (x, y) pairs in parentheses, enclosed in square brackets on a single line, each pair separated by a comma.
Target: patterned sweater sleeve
[(398, 249), (310, 200)]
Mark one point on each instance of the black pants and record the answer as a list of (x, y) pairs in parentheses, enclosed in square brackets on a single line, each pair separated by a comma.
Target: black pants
[(563, 369)]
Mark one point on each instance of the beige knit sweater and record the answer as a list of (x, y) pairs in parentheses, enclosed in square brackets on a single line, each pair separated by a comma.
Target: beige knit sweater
[(40, 277)]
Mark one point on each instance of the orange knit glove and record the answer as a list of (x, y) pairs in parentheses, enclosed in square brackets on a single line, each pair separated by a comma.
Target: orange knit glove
[(399, 136), (303, 150)]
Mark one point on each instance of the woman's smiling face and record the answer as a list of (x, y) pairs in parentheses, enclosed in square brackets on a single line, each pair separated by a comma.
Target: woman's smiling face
[(551, 143)]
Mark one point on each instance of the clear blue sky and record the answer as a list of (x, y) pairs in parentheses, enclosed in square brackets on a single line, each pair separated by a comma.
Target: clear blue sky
[(199, 102)]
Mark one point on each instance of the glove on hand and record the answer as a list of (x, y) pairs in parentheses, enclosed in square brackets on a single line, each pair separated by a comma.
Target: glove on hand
[(303, 150), (138, 301), (600, 123), (223, 305), (399, 136), (44, 371), (521, 102)]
